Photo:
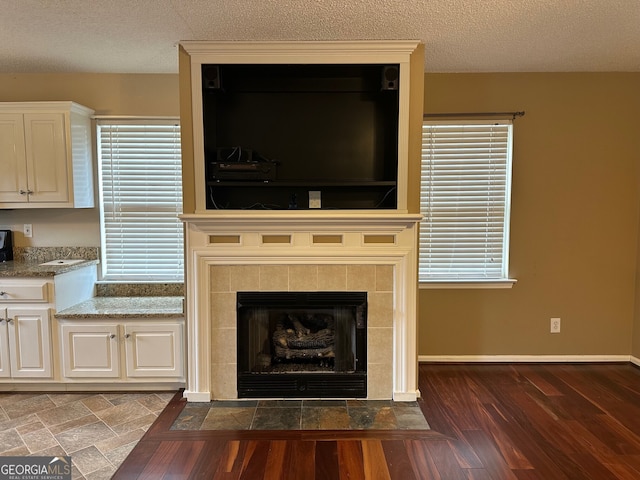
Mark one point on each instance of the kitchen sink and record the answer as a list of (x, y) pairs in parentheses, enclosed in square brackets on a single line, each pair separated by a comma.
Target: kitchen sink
[(64, 261)]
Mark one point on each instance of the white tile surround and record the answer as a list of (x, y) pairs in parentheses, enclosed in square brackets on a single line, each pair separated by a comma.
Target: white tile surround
[(299, 251)]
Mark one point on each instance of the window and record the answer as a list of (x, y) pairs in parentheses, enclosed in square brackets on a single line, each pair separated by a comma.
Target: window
[(140, 198), (465, 199)]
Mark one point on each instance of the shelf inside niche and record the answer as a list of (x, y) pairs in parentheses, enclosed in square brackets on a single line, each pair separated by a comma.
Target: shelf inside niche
[(302, 183)]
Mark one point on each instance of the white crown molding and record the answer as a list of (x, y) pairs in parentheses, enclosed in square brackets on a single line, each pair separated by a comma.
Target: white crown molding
[(361, 49), (45, 107)]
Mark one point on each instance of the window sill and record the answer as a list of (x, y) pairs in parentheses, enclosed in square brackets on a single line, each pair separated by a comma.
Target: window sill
[(468, 284)]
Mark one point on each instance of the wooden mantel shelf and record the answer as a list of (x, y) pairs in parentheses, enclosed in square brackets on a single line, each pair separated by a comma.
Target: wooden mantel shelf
[(303, 220)]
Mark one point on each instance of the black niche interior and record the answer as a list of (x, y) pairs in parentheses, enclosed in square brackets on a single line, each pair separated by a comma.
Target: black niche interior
[(302, 344), (274, 133)]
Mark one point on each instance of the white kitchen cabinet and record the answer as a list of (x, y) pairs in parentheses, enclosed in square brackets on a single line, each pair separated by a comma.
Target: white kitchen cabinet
[(46, 154), (25, 328), (28, 332), (128, 351), (25, 343), (153, 350), (5, 366), (90, 351)]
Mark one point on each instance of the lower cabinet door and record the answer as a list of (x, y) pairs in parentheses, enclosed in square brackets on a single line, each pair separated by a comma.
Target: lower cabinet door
[(154, 350), (90, 351), (29, 342), (5, 365)]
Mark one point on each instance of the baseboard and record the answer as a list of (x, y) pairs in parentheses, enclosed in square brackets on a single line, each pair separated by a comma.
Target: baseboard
[(406, 396), (635, 360), (526, 358), (192, 396)]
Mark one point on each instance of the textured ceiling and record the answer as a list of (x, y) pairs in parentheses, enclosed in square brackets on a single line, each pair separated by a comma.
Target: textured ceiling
[(141, 36)]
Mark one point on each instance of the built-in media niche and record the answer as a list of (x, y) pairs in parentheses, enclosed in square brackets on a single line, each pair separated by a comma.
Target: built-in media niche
[(300, 136)]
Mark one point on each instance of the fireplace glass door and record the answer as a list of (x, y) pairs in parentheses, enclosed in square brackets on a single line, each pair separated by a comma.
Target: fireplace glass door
[(302, 344)]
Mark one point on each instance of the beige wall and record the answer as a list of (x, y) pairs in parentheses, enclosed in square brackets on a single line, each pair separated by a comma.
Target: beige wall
[(149, 95), (575, 208), (574, 229)]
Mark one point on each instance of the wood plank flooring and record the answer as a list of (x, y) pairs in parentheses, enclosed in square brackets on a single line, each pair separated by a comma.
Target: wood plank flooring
[(489, 422)]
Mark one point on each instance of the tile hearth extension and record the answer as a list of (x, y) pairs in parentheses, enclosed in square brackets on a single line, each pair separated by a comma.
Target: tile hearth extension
[(301, 415)]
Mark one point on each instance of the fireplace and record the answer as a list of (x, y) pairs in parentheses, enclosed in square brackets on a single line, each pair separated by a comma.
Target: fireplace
[(371, 254), (302, 344)]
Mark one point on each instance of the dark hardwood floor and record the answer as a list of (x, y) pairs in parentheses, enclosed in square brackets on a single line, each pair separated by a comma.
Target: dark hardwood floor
[(489, 422)]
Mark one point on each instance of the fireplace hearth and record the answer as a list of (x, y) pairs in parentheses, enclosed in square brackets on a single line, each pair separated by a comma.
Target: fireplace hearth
[(302, 344)]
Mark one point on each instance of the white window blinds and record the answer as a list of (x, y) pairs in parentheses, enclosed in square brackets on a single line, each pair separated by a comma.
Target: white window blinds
[(465, 199), (141, 198)]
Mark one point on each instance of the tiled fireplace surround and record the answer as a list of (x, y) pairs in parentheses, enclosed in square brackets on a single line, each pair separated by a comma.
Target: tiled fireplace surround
[(301, 252), (376, 280)]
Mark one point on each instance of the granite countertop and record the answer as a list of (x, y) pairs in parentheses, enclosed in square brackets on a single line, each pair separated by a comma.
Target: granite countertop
[(125, 307), (17, 268)]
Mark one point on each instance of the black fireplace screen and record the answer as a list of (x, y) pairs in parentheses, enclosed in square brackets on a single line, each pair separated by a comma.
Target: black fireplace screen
[(302, 344)]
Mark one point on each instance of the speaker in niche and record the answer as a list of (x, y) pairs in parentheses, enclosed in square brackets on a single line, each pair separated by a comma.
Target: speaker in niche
[(390, 76), (211, 77)]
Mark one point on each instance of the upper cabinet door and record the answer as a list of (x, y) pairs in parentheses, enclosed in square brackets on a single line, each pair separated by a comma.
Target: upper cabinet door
[(46, 157), (12, 155)]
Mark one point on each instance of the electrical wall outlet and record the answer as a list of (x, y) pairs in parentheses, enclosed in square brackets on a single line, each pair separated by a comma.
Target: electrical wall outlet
[(27, 230), (315, 199), (555, 325)]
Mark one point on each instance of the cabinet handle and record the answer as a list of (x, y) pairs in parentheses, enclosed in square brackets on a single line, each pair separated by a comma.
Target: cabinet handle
[(113, 335), (9, 320), (25, 192), (127, 335), (2, 294)]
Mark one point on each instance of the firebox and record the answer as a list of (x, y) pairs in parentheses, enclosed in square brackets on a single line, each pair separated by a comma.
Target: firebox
[(302, 344)]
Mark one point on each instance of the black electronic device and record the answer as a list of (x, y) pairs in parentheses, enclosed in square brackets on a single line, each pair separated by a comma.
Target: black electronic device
[(390, 77), (6, 246), (211, 77), (241, 164)]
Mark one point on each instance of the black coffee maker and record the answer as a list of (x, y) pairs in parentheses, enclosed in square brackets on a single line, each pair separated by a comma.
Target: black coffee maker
[(6, 246)]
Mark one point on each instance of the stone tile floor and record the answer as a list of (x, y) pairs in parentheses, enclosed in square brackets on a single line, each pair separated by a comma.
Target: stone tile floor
[(98, 431), (301, 415)]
